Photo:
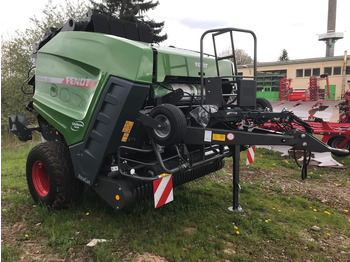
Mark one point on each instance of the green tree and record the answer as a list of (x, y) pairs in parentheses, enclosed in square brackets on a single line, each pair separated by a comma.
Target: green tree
[(284, 56), (16, 56), (133, 11), (242, 58)]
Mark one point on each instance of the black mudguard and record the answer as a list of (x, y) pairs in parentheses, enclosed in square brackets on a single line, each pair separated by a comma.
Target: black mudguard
[(121, 101)]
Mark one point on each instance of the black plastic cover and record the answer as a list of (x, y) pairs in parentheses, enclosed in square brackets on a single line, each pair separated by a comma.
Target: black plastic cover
[(121, 101), (17, 126), (246, 93)]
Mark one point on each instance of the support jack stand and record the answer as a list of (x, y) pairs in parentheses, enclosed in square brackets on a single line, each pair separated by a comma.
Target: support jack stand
[(235, 172)]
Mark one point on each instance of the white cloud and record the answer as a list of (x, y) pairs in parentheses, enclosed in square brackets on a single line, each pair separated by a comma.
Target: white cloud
[(202, 24), (290, 24)]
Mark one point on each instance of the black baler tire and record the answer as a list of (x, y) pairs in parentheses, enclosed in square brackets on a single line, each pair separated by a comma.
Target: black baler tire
[(64, 187), (263, 103), (178, 124), (332, 143)]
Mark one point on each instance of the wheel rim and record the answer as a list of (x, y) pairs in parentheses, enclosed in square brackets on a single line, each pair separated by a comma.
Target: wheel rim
[(164, 131), (40, 178), (337, 141)]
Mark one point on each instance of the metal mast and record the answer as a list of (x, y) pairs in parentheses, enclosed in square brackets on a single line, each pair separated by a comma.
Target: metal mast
[(331, 36)]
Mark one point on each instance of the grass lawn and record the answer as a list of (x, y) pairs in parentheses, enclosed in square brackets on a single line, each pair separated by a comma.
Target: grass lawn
[(283, 218)]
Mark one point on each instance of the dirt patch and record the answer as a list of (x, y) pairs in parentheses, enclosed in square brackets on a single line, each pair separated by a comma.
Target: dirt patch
[(338, 247), (307, 236), (230, 249), (30, 250), (330, 189), (147, 257), (33, 250), (190, 230)]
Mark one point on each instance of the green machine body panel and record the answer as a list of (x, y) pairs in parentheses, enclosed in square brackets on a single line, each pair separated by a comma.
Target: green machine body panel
[(74, 67), (72, 71), (185, 63)]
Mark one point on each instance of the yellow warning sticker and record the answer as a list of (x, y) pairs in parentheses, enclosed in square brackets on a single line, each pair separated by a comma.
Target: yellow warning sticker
[(219, 137), (126, 130), (127, 127), (125, 137), (164, 175)]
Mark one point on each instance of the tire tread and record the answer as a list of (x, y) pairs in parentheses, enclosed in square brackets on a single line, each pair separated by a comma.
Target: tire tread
[(66, 187)]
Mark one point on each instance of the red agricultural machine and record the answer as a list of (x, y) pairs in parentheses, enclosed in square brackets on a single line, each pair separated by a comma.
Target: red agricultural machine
[(313, 93), (336, 134)]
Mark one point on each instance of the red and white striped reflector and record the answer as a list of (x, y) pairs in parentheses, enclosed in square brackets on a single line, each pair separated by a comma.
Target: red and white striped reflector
[(342, 117), (163, 191), (250, 155)]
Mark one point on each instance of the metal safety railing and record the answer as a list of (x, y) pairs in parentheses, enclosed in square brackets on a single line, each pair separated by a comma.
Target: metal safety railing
[(215, 33)]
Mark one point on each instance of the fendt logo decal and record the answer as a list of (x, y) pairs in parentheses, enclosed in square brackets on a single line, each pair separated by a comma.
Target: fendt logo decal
[(197, 64), (82, 82), (68, 81), (77, 125)]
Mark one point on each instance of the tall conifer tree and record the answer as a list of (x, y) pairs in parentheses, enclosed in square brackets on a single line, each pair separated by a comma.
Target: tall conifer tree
[(284, 56), (132, 10)]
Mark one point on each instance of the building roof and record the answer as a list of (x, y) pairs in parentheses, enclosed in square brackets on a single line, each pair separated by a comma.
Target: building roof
[(297, 61)]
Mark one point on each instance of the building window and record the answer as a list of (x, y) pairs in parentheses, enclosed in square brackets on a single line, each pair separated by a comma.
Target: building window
[(278, 72), (348, 70), (316, 72), (307, 72), (337, 70), (299, 73), (328, 70)]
